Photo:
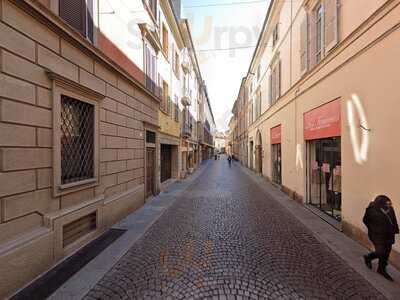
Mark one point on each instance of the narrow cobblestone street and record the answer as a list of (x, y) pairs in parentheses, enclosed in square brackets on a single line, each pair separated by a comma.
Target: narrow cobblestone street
[(224, 238)]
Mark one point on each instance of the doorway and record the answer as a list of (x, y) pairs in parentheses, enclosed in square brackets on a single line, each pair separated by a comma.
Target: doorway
[(150, 170), (259, 153), (324, 175), (166, 162), (251, 154), (276, 152)]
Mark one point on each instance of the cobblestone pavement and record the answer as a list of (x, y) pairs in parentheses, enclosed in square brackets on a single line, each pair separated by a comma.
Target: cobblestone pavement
[(225, 239)]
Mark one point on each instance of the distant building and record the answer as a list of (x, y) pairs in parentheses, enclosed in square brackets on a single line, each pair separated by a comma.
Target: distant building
[(220, 142)]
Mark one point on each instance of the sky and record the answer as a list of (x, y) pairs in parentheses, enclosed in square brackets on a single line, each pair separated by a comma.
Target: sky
[(221, 24)]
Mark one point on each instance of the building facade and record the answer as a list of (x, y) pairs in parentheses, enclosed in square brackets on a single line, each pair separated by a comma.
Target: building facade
[(220, 140), (240, 115), (314, 125), (91, 108)]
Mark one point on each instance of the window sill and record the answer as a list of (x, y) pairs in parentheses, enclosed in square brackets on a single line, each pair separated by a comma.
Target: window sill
[(64, 189), (74, 184)]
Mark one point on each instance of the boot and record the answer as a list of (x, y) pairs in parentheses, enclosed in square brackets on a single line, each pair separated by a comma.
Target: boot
[(382, 271), (367, 261)]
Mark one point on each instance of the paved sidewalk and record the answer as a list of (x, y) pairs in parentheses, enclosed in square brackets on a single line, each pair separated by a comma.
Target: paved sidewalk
[(349, 250), (136, 225), (227, 234)]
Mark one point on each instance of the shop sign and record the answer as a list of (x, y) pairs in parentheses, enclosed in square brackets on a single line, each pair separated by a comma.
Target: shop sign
[(323, 122), (276, 135)]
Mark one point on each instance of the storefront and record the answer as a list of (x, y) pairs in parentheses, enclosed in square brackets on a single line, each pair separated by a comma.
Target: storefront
[(276, 154), (322, 131)]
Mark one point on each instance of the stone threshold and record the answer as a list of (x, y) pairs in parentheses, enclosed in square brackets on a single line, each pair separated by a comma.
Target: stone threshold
[(346, 248), (135, 225)]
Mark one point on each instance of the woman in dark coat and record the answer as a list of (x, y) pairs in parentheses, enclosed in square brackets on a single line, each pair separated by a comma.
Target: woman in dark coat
[(381, 222)]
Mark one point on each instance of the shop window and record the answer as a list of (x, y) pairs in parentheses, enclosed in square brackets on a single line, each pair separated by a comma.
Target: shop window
[(324, 175)]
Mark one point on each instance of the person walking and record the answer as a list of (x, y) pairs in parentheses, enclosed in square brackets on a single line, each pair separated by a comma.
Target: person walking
[(381, 222), (230, 160)]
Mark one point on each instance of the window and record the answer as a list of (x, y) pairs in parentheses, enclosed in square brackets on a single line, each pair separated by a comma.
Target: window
[(153, 8), (165, 40), (150, 137), (177, 64), (165, 101), (304, 46), (275, 82), (150, 64), (77, 140), (176, 105), (75, 135), (319, 31), (258, 104), (275, 35), (78, 14)]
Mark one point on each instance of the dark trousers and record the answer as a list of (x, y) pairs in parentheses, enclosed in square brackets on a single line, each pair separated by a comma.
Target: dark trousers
[(382, 252)]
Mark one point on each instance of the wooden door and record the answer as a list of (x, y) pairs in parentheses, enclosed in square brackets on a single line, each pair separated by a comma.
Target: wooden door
[(150, 164), (166, 166)]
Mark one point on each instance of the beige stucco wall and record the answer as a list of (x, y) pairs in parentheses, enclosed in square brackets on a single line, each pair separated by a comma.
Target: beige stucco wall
[(366, 64)]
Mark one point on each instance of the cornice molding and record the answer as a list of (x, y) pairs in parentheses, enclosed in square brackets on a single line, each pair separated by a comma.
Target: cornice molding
[(151, 36), (74, 86), (52, 21)]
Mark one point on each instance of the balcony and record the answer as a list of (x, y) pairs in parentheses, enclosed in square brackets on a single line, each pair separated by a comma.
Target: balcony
[(185, 100), (185, 60)]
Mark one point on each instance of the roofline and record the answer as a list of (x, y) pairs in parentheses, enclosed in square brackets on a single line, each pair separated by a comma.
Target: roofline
[(186, 22), (260, 37)]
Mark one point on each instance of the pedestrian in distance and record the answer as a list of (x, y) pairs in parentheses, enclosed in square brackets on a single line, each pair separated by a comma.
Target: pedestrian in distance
[(381, 222), (230, 160), (215, 156)]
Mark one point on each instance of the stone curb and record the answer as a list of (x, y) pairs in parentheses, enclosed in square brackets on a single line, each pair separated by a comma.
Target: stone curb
[(136, 224)]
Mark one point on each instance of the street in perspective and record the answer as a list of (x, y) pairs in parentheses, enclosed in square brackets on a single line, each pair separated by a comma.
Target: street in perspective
[(199, 149)]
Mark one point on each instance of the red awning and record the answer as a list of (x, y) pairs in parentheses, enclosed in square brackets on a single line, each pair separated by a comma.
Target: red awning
[(323, 122), (276, 135)]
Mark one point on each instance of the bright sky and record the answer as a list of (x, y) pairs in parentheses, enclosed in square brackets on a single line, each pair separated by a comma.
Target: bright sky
[(221, 24)]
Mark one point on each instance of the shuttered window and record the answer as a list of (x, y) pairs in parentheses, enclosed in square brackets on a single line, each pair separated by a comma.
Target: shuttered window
[(78, 14), (319, 33), (275, 35), (304, 45), (275, 83), (153, 7), (312, 40), (165, 40), (331, 24), (322, 30), (150, 63)]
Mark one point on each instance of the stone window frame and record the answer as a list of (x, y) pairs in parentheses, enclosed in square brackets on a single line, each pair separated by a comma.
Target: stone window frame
[(63, 86)]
